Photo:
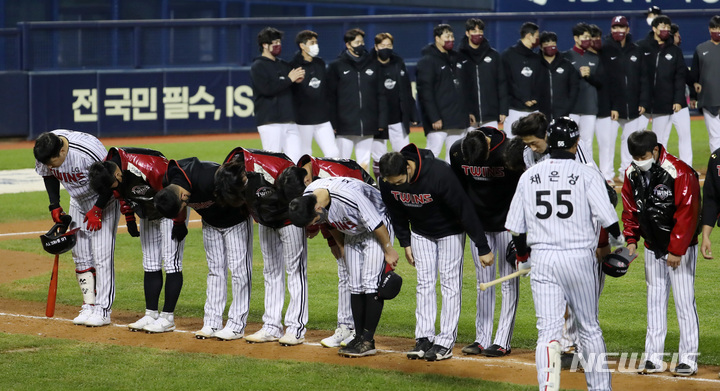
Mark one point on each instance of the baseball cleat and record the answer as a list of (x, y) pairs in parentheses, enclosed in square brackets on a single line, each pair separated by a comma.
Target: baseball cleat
[(206, 332), (97, 320), (438, 353), (228, 334), (473, 349), (684, 370), (495, 351), (347, 340), (85, 312), (422, 345), (335, 340), (649, 368), (144, 321), (361, 349), (163, 324), (290, 340), (260, 337)]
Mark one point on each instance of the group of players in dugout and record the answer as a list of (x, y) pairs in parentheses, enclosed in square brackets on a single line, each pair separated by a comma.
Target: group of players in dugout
[(509, 192)]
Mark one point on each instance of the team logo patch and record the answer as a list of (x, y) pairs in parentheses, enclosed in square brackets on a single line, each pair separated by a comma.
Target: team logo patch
[(560, 71), (526, 71), (668, 57), (402, 73), (459, 66), (282, 77), (140, 189), (314, 82), (369, 72), (487, 59), (390, 84), (264, 192), (662, 192), (592, 64), (633, 58)]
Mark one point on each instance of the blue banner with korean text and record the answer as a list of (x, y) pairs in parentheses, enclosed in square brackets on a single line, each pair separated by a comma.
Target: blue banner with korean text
[(142, 103)]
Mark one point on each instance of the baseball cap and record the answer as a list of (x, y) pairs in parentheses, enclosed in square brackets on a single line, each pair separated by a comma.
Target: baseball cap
[(654, 10), (619, 21)]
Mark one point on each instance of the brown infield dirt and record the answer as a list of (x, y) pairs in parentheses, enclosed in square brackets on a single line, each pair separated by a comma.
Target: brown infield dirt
[(23, 317)]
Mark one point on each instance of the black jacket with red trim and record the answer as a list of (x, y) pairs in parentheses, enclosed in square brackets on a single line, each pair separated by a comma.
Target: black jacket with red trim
[(711, 191), (489, 186), (325, 167), (665, 210), (143, 171), (267, 206), (198, 177), (434, 203)]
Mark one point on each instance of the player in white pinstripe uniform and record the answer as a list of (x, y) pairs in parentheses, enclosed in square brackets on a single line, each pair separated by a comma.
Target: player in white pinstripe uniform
[(430, 213), (661, 204), (284, 246), (554, 206), (292, 183), (532, 129), (134, 176), (64, 156), (227, 237), (355, 209)]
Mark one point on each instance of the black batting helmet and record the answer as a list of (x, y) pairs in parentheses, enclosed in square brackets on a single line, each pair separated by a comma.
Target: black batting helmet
[(562, 133), (390, 285), (616, 263), (59, 240)]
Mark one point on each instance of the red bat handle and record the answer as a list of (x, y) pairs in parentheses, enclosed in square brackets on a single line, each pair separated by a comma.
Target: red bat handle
[(52, 291)]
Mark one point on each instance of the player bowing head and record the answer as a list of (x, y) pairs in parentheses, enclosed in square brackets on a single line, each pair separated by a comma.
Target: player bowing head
[(306, 210), (395, 169), (475, 146), (292, 182), (532, 129), (105, 175), (50, 149), (171, 200), (230, 183)]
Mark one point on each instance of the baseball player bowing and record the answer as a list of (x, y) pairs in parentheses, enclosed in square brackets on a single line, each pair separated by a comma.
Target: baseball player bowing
[(227, 236), (661, 204), (423, 192), (134, 176), (292, 183), (554, 205), (478, 161), (64, 156), (284, 246), (355, 209)]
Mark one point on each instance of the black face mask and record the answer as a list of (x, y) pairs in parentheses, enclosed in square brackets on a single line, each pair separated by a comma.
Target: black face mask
[(405, 186), (359, 50), (384, 54)]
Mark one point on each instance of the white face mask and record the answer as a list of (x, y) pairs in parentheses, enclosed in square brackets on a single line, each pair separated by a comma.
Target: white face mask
[(649, 21), (313, 50), (644, 165)]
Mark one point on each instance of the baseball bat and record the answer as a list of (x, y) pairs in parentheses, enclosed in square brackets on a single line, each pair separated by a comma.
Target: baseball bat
[(52, 291), (518, 273)]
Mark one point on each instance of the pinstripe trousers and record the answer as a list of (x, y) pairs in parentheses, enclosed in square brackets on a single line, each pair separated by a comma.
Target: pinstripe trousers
[(228, 249), (443, 256), (659, 278), (158, 247)]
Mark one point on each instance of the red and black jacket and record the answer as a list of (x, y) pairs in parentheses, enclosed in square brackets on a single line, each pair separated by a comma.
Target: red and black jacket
[(143, 171), (267, 206), (666, 210)]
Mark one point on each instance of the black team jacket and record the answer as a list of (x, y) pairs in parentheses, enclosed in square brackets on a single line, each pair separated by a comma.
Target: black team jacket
[(487, 94), (522, 69), (310, 97), (434, 203), (271, 91)]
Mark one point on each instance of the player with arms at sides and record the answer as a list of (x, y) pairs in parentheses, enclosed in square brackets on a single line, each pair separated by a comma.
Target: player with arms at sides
[(134, 176), (478, 161), (64, 156), (284, 246), (554, 198), (661, 204), (227, 236), (292, 183), (355, 209), (431, 213)]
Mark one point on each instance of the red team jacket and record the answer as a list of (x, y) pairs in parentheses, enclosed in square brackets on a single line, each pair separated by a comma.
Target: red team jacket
[(684, 211)]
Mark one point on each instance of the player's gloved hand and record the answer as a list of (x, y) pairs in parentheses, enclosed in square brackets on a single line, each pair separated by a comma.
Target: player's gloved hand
[(179, 231), (57, 211), (93, 218), (523, 262), (525, 265), (125, 207), (131, 225), (616, 241)]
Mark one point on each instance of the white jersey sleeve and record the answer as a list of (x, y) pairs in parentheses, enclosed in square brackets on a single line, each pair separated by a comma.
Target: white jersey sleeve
[(600, 205), (83, 150), (515, 220)]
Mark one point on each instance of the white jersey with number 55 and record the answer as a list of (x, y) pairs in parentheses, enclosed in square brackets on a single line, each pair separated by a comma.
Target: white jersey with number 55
[(555, 203)]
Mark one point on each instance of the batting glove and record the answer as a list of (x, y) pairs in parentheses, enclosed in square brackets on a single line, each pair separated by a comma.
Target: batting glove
[(57, 212), (525, 265), (125, 207), (616, 242), (131, 225), (93, 218), (179, 231)]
